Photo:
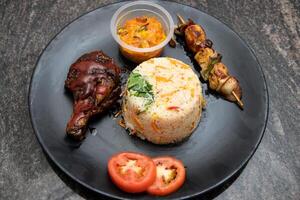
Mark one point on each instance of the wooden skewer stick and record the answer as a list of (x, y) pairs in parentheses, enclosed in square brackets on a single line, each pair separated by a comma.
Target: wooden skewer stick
[(180, 19), (240, 103)]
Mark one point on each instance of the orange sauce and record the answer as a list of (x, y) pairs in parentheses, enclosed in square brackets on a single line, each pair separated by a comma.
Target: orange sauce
[(142, 32)]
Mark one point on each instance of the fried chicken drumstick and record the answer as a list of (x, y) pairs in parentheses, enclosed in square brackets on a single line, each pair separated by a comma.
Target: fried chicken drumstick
[(212, 69), (94, 81)]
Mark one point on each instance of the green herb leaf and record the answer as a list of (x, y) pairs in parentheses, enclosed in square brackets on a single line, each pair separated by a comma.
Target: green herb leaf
[(143, 27), (139, 87), (212, 62)]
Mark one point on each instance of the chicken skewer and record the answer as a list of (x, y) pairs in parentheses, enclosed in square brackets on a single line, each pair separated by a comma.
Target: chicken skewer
[(212, 69)]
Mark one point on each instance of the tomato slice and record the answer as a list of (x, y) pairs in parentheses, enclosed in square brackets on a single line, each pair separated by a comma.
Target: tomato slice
[(132, 172), (170, 176)]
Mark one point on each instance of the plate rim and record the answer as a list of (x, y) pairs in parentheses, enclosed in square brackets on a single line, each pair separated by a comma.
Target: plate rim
[(46, 150)]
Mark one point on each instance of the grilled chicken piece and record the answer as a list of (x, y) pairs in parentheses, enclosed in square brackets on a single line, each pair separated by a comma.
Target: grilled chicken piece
[(203, 56), (94, 81), (220, 81), (194, 37)]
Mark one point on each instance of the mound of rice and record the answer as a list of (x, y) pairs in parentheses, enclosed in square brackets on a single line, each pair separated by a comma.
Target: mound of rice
[(163, 101)]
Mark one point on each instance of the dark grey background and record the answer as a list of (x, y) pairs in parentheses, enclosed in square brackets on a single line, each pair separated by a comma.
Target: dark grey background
[(271, 28)]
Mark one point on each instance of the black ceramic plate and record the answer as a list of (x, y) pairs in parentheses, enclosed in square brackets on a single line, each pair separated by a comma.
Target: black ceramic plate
[(224, 141)]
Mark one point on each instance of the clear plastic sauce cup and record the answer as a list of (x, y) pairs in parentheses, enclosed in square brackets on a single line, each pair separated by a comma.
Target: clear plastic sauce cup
[(138, 9)]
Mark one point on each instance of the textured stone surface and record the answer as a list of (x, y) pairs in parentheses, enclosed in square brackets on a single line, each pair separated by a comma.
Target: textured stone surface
[(270, 27)]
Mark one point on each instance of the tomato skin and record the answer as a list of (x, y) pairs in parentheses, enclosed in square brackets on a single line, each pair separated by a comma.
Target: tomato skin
[(159, 188), (131, 181)]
